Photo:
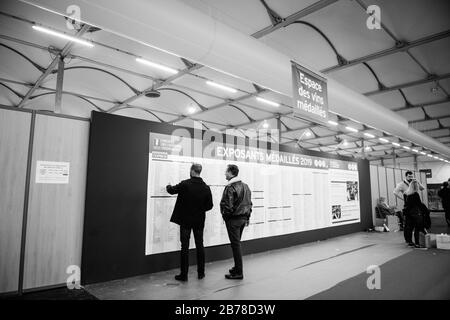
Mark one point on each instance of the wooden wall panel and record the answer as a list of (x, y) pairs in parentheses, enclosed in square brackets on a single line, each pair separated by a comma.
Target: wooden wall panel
[(55, 216), (14, 139), (390, 186), (374, 188)]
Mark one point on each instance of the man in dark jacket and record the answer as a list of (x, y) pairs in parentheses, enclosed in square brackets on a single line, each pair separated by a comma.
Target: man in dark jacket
[(444, 194), (194, 199), (236, 208)]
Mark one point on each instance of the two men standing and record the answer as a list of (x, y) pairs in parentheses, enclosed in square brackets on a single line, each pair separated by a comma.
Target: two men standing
[(194, 199)]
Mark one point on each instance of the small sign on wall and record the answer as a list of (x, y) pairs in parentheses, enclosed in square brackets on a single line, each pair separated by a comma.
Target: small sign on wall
[(52, 172), (427, 172)]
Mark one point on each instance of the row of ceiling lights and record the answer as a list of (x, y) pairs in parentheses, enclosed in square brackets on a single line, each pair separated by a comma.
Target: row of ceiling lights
[(192, 109)]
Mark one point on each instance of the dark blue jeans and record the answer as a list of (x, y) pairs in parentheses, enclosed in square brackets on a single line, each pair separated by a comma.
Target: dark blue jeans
[(235, 227), (185, 234)]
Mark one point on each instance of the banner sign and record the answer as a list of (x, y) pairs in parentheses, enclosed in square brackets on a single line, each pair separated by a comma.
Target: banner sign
[(310, 95)]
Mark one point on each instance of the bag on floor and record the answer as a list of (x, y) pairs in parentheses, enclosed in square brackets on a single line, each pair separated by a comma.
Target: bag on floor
[(443, 241)]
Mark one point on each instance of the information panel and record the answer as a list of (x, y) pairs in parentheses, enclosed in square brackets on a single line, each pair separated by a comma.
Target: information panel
[(290, 192)]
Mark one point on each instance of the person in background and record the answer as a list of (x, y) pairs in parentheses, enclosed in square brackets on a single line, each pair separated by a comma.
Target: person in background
[(194, 199), (444, 194), (399, 192), (414, 214), (383, 209), (236, 208)]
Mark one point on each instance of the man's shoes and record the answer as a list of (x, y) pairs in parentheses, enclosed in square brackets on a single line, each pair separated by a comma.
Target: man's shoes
[(181, 277), (232, 271), (234, 276), (410, 244), (201, 275)]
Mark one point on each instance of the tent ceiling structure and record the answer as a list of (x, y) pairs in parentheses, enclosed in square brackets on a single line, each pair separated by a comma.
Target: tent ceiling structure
[(402, 67)]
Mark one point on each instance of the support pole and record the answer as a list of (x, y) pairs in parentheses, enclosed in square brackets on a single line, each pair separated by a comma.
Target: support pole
[(59, 85)]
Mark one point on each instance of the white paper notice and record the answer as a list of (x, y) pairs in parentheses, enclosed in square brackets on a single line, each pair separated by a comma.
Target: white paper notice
[(52, 172)]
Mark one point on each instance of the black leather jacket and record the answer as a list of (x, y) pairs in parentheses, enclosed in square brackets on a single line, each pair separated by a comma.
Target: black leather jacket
[(236, 201)]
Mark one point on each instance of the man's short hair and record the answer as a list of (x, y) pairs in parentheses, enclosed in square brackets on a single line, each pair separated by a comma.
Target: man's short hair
[(408, 172), (196, 167), (233, 169)]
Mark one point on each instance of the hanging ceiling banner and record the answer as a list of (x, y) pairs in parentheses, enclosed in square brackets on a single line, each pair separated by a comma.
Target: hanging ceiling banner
[(310, 94)]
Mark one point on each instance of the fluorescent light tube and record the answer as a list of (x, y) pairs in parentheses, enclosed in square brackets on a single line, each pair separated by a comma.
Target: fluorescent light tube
[(157, 66), (63, 36), (221, 86), (270, 103)]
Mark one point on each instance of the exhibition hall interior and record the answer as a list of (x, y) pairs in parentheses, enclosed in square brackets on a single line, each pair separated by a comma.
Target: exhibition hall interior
[(224, 150)]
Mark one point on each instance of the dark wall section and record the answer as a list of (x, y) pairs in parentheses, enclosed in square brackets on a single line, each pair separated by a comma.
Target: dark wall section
[(116, 204)]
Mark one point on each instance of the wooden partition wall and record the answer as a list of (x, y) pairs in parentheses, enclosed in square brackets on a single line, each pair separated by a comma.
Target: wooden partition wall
[(14, 138), (36, 251)]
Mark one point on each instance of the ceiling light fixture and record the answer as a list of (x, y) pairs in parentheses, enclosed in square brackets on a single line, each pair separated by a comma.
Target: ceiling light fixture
[(157, 66), (63, 36), (191, 109), (351, 129), (383, 140), (265, 124), (406, 147), (423, 153), (333, 123), (395, 144), (429, 155), (221, 86), (369, 135), (415, 150), (270, 103)]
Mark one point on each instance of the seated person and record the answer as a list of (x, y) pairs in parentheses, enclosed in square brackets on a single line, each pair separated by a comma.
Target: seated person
[(383, 209)]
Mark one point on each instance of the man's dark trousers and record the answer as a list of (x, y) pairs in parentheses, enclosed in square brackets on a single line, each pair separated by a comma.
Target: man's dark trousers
[(235, 227), (185, 234)]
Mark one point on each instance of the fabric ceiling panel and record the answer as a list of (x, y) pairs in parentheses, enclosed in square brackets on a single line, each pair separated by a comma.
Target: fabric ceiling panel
[(392, 100), (438, 110), (414, 19), (434, 56), (344, 23), (397, 69), (423, 93), (235, 13), (358, 78)]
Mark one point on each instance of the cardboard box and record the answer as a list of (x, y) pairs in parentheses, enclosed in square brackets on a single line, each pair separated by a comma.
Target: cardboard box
[(443, 241), (392, 223), (430, 240)]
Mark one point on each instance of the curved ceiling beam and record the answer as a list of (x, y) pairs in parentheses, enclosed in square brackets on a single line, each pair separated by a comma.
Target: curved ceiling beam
[(42, 69), (12, 90), (140, 108), (104, 71), (245, 113), (70, 94), (341, 60), (381, 86), (203, 108)]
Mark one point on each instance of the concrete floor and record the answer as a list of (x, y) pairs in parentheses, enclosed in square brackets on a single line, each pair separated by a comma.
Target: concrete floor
[(292, 273)]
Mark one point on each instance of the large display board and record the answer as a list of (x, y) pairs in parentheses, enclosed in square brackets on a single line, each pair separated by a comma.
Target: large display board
[(291, 192), (116, 215)]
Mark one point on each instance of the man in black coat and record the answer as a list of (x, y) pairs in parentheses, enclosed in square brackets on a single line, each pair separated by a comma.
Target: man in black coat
[(444, 194), (236, 208), (194, 199)]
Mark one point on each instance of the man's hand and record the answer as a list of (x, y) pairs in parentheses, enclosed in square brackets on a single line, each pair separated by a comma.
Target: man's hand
[(247, 223), (168, 187)]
